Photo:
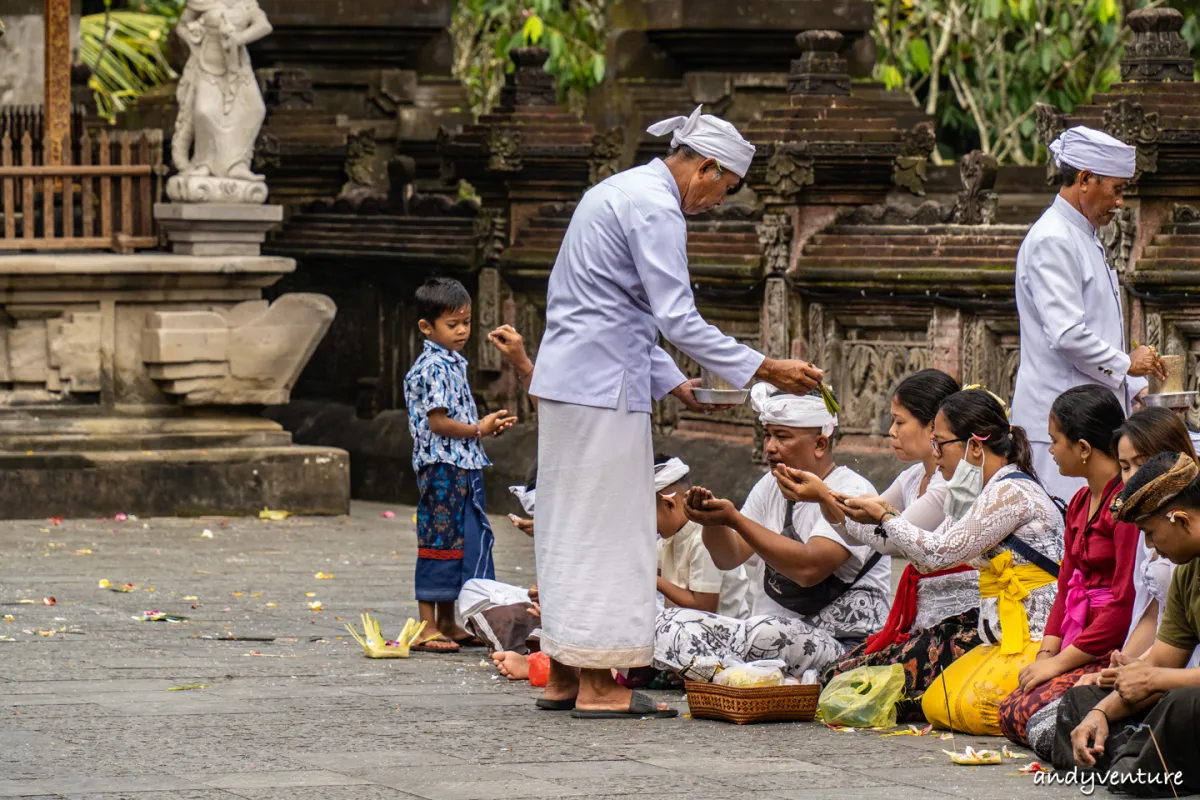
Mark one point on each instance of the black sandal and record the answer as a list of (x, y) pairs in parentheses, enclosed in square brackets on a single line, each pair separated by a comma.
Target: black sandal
[(555, 705), (640, 706)]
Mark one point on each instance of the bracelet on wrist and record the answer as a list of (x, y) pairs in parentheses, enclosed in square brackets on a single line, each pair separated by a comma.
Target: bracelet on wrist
[(1102, 713)]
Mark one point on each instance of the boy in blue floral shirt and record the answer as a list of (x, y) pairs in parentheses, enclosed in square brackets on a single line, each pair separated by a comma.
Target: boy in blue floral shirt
[(454, 539)]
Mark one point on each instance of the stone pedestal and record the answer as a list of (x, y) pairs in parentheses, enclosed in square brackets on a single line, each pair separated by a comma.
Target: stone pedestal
[(121, 378), (217, 229)]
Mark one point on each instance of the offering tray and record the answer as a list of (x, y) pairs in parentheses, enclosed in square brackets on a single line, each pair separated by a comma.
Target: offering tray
[(721, 397), (1172, 399)]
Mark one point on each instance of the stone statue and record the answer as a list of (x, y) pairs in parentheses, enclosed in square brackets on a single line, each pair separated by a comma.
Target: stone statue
[(220, 106)]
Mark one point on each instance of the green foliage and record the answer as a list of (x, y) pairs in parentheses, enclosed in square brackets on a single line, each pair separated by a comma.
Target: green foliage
[(128, 57), (980, 66), (484, 31)]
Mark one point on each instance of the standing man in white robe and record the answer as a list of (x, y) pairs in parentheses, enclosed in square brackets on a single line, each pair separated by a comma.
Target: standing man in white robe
[(1069, 301), (621, 279)]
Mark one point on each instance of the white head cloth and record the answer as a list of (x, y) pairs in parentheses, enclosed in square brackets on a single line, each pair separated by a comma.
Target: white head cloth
[(711, 137), (525, 497), (779, 408), (669, 473), (1085, 148)]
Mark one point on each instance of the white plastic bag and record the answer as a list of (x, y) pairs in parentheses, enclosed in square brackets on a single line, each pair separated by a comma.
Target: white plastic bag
[(752, 675)]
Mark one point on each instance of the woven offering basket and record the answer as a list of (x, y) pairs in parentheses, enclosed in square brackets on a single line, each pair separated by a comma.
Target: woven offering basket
[(796, 703)]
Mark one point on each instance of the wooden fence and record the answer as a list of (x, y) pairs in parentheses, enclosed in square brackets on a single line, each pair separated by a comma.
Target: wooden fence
[(105, 200)]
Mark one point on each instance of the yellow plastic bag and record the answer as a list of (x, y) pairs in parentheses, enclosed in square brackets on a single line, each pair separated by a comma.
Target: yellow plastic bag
[(863, 698), (975, 684)]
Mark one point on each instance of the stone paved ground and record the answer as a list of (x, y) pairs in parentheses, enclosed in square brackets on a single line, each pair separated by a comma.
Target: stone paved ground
[(301, 715)]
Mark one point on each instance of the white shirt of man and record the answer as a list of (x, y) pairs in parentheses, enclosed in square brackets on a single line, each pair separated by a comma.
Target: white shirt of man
[(766, 505), (1072, 328), (684, 561)]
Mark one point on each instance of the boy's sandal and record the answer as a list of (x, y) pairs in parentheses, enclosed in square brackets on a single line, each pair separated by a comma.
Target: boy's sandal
[(640, 705), (427, 645)]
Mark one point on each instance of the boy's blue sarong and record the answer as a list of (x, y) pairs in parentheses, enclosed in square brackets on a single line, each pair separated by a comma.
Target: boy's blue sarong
[(454, 538)]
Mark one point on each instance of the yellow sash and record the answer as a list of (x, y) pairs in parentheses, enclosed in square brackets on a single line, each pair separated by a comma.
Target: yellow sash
[(1012, 584)]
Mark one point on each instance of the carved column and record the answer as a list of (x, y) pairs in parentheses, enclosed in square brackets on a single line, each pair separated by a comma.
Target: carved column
[(820, 69), (487, 319), (1157, 53), (774, 237), (946, 340)]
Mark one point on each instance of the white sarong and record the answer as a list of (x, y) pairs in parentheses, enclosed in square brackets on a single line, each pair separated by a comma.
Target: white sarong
[(595, 542)]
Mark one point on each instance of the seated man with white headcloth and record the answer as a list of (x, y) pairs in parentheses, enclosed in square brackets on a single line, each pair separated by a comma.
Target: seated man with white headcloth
[(813, 595)]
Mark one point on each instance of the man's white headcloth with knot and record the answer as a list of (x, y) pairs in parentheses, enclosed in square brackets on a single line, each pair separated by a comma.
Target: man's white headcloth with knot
[(776, 407), (711, 137), (1093, 150)]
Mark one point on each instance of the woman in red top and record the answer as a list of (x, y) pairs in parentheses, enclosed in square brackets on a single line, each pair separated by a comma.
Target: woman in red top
[(1091, 613)]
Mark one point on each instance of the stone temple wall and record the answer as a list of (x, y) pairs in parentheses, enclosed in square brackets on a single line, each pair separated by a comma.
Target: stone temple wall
[(847, 246)]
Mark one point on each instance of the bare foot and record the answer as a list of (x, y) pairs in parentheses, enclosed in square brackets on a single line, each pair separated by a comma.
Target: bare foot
[(455, 633), (513, 666)]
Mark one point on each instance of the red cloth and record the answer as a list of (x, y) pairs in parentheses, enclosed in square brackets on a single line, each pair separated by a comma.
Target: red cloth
[(904, 608), (1104, 550)]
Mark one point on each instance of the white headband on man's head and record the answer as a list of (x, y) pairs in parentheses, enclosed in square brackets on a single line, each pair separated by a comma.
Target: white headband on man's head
[(792, 411), (711, 137), (669, 473), (1096, 151)]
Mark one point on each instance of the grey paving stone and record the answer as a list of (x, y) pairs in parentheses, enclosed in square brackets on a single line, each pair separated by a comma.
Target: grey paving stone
[(277, 780), (90, 714)]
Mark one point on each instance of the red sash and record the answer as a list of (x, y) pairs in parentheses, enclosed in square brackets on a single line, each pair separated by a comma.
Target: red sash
[(904, 608)]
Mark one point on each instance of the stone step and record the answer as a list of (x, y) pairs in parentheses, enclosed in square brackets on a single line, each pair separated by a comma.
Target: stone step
[(895, 267), (900, 251)]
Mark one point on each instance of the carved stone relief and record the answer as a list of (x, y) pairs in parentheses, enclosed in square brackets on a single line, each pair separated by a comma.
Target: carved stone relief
[(487, 315), (977, 201), (789, 170), (503, 149), (776, 342), (1118, 237), (991, 353), (606, 155), (909, 169), (775, 239), (1050, 123), (1129, 122)]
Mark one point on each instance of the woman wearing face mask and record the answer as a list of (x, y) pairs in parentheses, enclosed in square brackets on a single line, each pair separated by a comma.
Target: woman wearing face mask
[(934, 618), (1144, 434), (999, 520), (1090, 617)]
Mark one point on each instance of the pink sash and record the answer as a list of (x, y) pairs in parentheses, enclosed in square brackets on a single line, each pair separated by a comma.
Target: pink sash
[(1079, 601)]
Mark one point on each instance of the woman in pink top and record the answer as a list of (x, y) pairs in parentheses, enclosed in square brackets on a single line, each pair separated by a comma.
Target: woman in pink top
[(1091, 613)]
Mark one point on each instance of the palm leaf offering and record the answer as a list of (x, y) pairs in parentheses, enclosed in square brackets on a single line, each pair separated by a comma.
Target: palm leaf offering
[(831, 403), (375, 646)]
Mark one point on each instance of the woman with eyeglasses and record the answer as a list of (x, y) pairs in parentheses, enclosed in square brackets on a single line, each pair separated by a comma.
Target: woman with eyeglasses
[(934, 617), (999, 520), (1090, 617)]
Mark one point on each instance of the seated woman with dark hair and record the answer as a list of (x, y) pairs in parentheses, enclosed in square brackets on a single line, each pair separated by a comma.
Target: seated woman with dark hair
[(1144, 434), (934, 617), (1144, 729), (1091, 614), (999, 520)]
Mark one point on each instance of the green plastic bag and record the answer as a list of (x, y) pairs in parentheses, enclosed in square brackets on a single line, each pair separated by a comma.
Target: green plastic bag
[(863, 698)]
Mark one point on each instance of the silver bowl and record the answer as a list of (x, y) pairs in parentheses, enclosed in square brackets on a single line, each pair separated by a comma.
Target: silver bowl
[(721, 397), (1172, 399)]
